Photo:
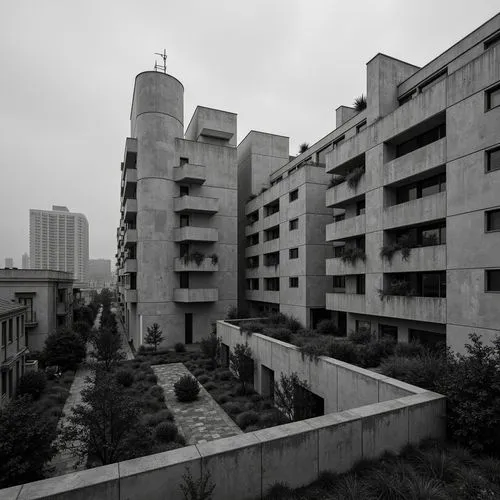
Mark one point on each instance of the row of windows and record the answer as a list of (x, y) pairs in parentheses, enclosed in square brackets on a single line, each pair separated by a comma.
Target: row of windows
[(271, 233), (8, 330), (271, 259), (272, 284)]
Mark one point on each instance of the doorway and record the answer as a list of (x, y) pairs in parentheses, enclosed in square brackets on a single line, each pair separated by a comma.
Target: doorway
[(188, 328)]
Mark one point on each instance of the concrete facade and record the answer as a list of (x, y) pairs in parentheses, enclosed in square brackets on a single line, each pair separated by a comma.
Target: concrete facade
[(177, 239), (422, 124), (281, 221), (59, 240), (48, 297), (13, 348)]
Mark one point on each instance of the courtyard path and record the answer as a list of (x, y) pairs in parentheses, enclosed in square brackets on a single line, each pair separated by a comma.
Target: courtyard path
[(199, 421)]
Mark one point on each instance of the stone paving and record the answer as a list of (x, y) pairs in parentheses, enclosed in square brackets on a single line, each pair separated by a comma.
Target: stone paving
[(198, 421)]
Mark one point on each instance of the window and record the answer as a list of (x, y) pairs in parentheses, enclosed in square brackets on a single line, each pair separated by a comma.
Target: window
[(408, 97), (363, 326), (421, 140), (360, 284), (28, 302), (271, 208), (493, 280), (338, 251), (275, 181), (183, 161), (252, 239), (293, 282), (272, 259), (338, 282), (388, 331), (360, 207), (338, 141), (11, 330), (433, 284), (184, 190), (272, 284), (293, 195), (273, 233), (184, 280), (293, 253), (184, 220), (252, 217), (493, 160), (493, 97), (492, 41), (433, 80), (253, 262), (4, 333), (339, 217), (493, 220), (426, 187), (361, 127), (292, 170), (293, 224), (253, 284), (431, 340), (183, 249)]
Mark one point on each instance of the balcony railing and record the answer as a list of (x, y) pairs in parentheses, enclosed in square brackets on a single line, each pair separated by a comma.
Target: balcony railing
[(207, 264), (346, 302), (193, 233), (196, 294), (338, 267), (343, 192), (130, 209), (192, 174), (430, 258), (430, 309), (346, 228), (196, 204), (130, 237)]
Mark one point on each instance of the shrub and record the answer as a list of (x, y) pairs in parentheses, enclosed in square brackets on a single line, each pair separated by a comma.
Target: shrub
[(362, 336), (343, 351), (83, 329), (156, 391), (186, 389), (151, 377), (107, 344), (154, 336), (327, 327), (233, 407), (153, 419), (252, 327), (409, 349), (64, 348), (279, 333), (225, 375), (242, 364), (166, 432), (198, 372), (291, 398), (210, 347), (203, 379), (124, 377), (224, 398), (210, 386), (247, 418), (371, 354), (32, 384), (315, 348), (179, 347), (279, 491)]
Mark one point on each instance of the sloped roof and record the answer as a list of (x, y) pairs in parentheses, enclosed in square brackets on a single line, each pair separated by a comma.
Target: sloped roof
[(8, 307)]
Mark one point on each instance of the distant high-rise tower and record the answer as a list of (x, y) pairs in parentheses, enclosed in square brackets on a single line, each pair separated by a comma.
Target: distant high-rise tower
[(25, 261), (9, 262), (59, 240)]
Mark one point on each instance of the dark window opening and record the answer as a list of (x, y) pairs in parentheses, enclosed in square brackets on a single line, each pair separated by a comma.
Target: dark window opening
[(271, 208), (184, 280), (493, 220), (272, 284), (293, 195), (294, 282), (426, 187), (493, 280), (273, 233), (293, 224), (293, 253), (184, 190), (421, 140), (493, 97), (493, 160)]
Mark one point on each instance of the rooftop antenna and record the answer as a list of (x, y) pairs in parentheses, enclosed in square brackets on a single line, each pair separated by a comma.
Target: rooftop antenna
[(159, 67)]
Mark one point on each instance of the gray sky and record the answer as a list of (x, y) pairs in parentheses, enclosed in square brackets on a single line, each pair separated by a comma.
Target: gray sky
[(67, 71)]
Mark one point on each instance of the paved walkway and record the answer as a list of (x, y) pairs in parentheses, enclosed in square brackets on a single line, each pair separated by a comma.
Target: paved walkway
[(199, 421)]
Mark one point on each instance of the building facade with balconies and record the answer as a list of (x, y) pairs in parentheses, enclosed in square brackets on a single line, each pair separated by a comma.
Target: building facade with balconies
[(13, 348), (47, 296), (282, 219), (416, 198), (177, 238)]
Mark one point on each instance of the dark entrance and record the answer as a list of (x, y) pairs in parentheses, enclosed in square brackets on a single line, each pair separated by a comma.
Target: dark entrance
[(188, 328), (267, 382), (388, 331), (318, 315), (307, 404), (342, 322)]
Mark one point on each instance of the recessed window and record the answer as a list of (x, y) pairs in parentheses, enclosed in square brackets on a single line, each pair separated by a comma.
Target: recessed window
[(493, 41), (493, 97), (272, 284), (293, 253), (361, 127), (184, 220), (493, 280), (493, 160), (360, 207), (272, 208), (360, 284), (184, 190), (183, 161), (272, 233), (338, 282), (293, 224), (294, 282), (493, 220), (294, 195), (253, 284), (184, 280)]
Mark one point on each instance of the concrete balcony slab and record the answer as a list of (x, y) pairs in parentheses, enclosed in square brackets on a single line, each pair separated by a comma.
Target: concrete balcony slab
[(336, 267), (130, 266), (189, 295), (196, 204), (130, 237), (348, 302), (342, 192), (346, 228), (429, 309), (130, 209), (130, 295), (193, 233), (191, 174), (431, 258), (206, 265)]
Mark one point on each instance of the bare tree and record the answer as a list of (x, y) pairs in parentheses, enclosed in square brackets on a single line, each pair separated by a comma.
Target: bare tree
[(154, 336)]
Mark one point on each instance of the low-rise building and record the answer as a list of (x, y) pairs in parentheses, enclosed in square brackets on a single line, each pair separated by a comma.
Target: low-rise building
[(13, 348), (48, 297)]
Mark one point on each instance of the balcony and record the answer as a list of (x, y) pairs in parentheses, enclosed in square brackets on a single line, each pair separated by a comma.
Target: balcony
[(342, 192), (337, 267), (271, 220), (253, 227), (270, 296), (193, 233), (189, 295), (431, 258), (346, 228), (130, 295), (30, 321), (191, 174), (207, 265), (347, 302), (270, 246), (426, 209), (130, 266), (253, 295), (430, 309), (62, 309), (196, 204), (130, 156), (130, 209), (130, 237), (129, 182)]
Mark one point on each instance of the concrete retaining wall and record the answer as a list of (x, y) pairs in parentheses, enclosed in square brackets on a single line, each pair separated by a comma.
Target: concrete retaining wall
[(389, 415)]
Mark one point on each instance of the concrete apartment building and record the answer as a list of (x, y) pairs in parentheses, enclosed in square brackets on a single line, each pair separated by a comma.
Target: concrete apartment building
[(177, 238), (425, 155), (25, 261), (47, 296), (282, 219), (100, 273), (9, 262), (13, 348), (59, 240)]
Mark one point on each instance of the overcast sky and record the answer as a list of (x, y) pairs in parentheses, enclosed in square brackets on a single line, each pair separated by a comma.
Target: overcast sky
[(67, 72)]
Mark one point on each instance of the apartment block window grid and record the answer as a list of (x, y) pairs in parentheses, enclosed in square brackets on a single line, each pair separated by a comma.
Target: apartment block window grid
[(493, 159), (294, 282), (293, 195), (493, 280), (293, 224)]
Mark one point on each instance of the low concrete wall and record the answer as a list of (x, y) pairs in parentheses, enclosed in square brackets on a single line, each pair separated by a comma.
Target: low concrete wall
[(389, 415)]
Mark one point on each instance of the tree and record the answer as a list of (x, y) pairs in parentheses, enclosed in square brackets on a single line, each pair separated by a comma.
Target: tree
[(154, 336), (102, 425), (359, 103), (241, 364), (291, 396), (83, 329), (210, 346), (200, 489), (84, 314), (107, 345), (25, 444), (64, 348)]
